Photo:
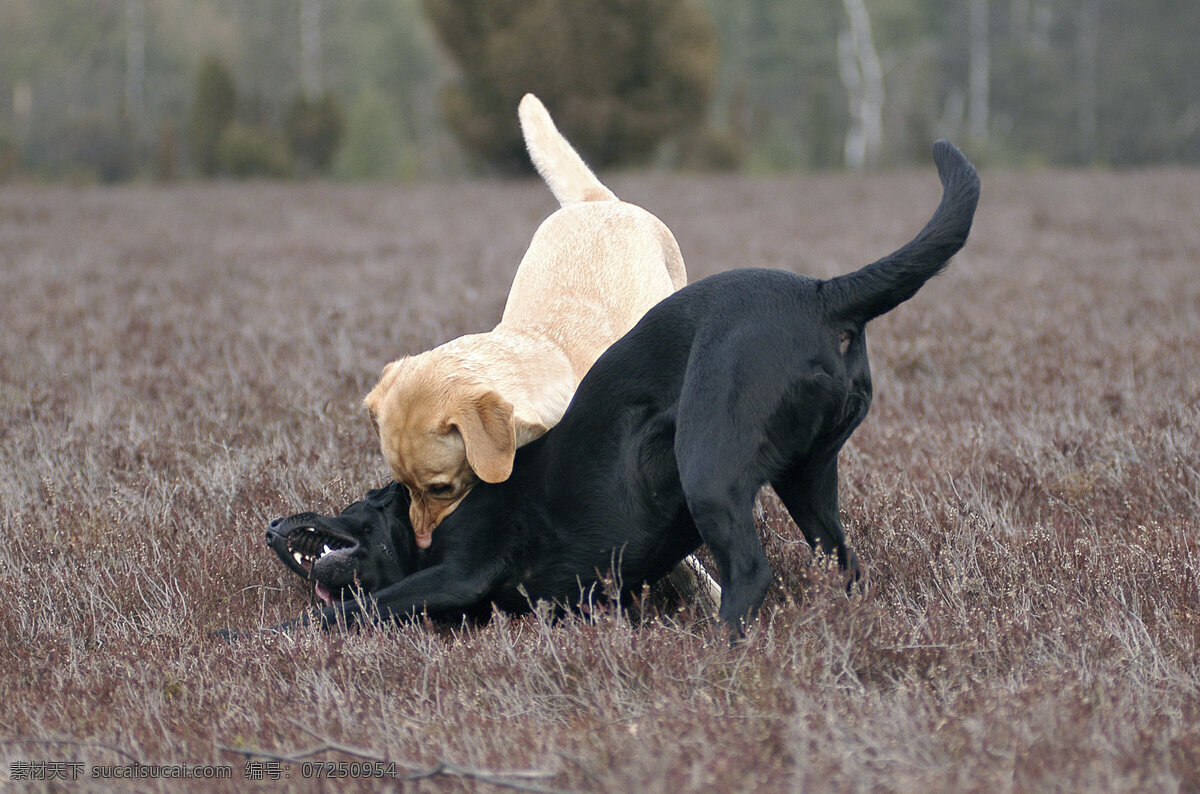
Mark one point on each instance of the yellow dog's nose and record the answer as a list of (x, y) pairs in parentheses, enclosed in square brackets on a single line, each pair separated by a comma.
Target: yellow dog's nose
[(427, 513), (423, 524)]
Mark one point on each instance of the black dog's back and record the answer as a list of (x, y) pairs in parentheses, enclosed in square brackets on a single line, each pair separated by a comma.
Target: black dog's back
[(747, 308), (754, 336)]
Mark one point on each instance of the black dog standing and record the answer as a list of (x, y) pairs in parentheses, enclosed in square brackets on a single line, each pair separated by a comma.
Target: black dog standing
[(744, 378)]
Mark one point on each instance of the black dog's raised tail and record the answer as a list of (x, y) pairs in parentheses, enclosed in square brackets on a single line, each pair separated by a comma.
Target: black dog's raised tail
[(882, 286)]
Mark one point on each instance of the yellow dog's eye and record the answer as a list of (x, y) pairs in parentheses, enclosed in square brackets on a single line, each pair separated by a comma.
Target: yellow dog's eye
[(440, 489)]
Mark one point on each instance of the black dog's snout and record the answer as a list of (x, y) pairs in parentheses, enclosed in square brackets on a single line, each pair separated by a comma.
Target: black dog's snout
[(273, 529)]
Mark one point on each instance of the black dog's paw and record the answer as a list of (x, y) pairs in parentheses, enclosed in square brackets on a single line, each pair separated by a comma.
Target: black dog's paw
[(851, 570), (230, 635), (287, 626)]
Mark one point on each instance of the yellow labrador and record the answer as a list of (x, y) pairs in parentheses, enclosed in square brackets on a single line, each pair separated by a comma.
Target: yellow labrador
[(456, 414)]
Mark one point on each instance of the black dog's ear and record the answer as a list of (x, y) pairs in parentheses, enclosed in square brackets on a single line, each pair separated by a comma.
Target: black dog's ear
[(381, 498)]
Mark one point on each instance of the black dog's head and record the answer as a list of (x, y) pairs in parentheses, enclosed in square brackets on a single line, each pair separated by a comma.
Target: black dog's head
[(368, 545)]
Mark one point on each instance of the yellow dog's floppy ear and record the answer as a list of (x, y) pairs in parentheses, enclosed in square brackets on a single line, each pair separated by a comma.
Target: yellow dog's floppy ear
[(489, 436)]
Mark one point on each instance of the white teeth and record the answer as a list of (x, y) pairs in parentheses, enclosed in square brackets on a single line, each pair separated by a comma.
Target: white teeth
[(298, 557), (326, 550)]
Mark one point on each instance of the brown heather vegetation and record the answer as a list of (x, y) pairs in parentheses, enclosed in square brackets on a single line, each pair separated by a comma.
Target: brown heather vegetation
[(179, 365)]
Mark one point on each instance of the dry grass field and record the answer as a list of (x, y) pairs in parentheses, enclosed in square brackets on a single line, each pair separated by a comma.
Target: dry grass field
[(178, 365)]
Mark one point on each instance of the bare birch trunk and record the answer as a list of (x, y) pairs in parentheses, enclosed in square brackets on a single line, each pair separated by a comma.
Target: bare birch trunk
[(863, 78)]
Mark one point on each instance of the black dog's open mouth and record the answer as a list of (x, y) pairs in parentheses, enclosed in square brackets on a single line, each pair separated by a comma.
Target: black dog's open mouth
[(306, 545), (315, 552)]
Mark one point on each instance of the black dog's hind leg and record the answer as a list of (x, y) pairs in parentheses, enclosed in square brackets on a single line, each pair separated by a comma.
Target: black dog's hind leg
[(719, 440), (810, 494), (726, 524), (724, 516)]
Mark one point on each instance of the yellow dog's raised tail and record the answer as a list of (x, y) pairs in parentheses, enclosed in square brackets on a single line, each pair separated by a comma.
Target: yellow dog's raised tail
[(561, 167)]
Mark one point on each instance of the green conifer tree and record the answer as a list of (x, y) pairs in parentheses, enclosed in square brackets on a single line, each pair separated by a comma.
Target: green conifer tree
[(619, 76)]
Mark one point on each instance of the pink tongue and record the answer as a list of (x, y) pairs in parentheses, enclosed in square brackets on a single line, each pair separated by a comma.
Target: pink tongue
[(324, 594)]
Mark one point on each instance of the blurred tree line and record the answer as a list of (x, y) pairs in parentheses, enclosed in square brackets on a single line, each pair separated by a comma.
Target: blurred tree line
[(115, 89)]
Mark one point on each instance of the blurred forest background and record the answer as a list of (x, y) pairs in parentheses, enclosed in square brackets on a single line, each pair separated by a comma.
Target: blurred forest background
[(112, 90)]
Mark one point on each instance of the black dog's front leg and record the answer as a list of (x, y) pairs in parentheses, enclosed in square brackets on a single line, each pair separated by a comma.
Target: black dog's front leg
[(348, 612), (326, 617), (443, 589)]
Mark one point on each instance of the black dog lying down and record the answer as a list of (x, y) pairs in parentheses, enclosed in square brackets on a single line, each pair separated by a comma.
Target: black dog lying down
[(744, 378)]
